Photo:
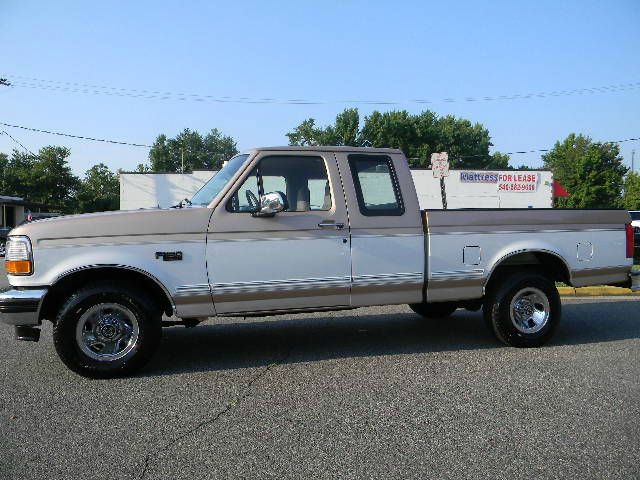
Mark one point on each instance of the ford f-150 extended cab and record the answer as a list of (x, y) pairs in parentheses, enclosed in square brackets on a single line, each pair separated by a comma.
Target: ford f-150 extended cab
[(294, 229)]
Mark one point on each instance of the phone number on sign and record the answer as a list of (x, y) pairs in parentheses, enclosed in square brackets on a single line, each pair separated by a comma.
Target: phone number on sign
[(517, 187)]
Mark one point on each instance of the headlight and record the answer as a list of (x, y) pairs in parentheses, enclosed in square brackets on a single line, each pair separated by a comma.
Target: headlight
[(18, 257)]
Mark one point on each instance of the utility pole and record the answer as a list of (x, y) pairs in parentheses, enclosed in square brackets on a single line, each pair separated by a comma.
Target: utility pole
[(633, 166)]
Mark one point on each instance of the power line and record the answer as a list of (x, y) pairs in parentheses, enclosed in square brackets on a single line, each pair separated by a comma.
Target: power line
[(538, 150), (4, 132), (74, 87), (543, 150), (81, 137)]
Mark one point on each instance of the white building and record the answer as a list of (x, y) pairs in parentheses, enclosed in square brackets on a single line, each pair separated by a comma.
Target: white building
[(464, 188), (153, 190)]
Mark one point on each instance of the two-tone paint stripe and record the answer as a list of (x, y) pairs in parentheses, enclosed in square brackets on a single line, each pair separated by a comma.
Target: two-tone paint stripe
[(387, 279), (280, 285), (193, 290), (446, 231), (445, 275), (291, 285)]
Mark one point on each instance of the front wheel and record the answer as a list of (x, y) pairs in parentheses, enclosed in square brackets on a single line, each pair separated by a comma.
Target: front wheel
[(107, 330), (524, 310), (434, 310)]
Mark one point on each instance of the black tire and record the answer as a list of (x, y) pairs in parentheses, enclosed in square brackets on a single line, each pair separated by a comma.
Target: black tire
[(434, 310), (527, 329), (147, 318)]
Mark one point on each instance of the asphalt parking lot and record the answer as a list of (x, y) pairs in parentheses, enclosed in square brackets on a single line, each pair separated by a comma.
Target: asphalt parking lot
[(372, 393)]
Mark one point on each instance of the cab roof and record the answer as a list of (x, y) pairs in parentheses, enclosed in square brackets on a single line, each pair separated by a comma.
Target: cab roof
[(290, 148)]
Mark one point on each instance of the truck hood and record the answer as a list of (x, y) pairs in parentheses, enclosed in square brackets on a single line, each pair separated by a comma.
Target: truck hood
[(117, 224)]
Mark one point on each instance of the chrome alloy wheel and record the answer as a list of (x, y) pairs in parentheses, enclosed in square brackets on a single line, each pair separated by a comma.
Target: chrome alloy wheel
[(529, 310), (107, 332)]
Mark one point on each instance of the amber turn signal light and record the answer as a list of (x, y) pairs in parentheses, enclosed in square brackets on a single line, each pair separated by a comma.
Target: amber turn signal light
[(18, 267), (18, 255)]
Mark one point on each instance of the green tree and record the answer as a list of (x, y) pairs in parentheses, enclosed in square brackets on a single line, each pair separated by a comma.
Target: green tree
[(5, 175), (399, 129), (418, 136), (99, 190), (468, 144), (500, 160), (631, 195), (160, 156), (53, 182), (346, 131), (591, 172), (44, 178), (16, 174), (198, 152), (4, 162), (218, 149)]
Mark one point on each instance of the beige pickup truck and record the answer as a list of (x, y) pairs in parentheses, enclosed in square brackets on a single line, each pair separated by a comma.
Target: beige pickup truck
[(290, 229)]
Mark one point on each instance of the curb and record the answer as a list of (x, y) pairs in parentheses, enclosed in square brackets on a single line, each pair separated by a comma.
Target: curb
[(596, 292)]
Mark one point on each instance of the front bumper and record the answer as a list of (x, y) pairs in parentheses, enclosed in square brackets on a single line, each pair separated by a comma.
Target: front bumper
[(21, 306)]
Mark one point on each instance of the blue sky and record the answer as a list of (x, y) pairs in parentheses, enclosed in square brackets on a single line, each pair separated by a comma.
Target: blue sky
[(325, 51)]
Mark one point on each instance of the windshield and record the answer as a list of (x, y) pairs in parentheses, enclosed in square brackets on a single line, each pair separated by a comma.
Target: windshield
[(214, 186), (635, 215)]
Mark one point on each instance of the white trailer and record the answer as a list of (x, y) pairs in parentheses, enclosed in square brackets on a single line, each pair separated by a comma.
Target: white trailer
[(159, 190), (486, 189)]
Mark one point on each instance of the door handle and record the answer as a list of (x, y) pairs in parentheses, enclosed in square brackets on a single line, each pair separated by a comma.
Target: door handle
[(337, 226)]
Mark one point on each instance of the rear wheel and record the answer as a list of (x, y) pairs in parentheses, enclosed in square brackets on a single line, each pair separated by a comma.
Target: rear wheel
[(524, 310), (107, 330), (434, 310)]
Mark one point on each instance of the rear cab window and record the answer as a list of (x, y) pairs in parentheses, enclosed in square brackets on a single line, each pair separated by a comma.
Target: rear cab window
[(376, 185)]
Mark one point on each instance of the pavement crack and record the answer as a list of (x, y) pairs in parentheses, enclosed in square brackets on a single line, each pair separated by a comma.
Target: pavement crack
[(212, 420)]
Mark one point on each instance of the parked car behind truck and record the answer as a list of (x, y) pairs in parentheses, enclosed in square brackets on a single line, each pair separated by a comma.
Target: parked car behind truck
[(292, 229), (4, 232), (635, 223)]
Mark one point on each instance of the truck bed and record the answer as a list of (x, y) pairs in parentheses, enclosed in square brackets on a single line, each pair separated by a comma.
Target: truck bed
[(464, 247)]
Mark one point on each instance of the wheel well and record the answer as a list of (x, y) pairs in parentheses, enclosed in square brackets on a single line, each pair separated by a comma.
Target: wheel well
[(549, 264), (60, 290)]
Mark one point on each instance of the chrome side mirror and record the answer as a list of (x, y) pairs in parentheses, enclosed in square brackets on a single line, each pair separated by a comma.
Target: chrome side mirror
[(272, 203)]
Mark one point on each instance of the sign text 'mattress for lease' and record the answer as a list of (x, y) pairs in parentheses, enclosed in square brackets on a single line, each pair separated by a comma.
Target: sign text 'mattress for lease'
[(507, 181)]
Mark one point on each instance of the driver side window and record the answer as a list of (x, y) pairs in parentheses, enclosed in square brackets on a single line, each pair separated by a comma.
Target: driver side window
[(302, 179), (246, 196)]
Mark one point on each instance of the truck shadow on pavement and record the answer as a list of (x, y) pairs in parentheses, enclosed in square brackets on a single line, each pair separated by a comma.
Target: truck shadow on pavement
[(236, 343)]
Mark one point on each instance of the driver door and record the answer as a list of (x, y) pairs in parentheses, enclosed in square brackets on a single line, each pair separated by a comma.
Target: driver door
[(298, 259)]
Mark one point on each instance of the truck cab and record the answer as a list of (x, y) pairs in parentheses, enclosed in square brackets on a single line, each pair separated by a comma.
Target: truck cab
[(346, 233)]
